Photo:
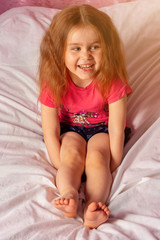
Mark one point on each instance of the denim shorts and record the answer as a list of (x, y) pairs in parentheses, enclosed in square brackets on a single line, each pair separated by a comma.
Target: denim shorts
[(87, 133)]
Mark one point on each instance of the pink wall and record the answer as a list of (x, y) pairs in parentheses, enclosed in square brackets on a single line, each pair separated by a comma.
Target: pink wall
[(7, 4)]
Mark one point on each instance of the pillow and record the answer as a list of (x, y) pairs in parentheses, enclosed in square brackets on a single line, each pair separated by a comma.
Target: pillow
[(57, 4)]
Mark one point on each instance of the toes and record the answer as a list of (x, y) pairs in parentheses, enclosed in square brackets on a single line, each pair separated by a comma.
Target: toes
[(104, 208), (66, 201), (61, 201), (56, 202), (101, 205), (98, 206)]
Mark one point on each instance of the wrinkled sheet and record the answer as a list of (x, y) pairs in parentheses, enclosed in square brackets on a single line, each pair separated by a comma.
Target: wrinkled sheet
[(27, 179)]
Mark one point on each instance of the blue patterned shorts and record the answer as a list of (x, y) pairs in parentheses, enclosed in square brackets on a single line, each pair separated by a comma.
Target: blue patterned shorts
[(87, 133)]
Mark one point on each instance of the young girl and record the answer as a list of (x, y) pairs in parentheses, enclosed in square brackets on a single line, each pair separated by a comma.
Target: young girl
[(83, 82)]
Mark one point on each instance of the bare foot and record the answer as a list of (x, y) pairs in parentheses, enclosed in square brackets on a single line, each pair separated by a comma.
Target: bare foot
[(96, 214), (67, 206)]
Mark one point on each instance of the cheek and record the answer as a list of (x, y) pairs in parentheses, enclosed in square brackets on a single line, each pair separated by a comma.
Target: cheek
[(69, 63), (100, 57), (67, 59), (70, 60)]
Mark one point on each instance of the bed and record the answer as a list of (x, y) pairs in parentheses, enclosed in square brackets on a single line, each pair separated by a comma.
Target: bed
[(27, 179)]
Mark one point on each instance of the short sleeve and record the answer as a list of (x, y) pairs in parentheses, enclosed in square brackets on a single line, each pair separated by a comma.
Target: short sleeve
[(46, 98), (117, 90)]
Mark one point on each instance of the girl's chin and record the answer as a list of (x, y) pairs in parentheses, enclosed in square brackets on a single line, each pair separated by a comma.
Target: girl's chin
[(83, 75)]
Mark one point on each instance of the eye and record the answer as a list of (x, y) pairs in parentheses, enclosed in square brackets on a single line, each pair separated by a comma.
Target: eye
[(94, 47), (75, 49)]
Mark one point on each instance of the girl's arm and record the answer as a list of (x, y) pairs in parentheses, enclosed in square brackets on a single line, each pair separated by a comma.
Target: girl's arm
[(117, 123), (51, 132)]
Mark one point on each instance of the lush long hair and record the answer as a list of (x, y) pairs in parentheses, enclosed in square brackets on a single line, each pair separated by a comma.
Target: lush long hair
[(52, 70)]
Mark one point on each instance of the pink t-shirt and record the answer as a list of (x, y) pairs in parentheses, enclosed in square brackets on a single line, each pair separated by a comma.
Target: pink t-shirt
[(85, 106)]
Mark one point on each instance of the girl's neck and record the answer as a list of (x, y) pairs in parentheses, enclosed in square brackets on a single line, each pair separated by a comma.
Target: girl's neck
[(81, 83)]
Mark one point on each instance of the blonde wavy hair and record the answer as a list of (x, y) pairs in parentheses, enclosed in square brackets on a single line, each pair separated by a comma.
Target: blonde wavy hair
[(52, 70)]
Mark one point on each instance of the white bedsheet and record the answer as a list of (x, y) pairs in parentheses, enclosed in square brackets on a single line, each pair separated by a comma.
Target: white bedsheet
[(27, 180)]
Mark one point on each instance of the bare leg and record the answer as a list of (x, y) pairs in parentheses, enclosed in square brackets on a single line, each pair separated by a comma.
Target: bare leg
[(68, 179), (99, 180)]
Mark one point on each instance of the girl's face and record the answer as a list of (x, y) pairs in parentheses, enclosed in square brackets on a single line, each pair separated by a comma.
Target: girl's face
[(83, 55)]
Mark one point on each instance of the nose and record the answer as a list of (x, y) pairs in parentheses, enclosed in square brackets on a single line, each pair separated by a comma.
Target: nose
[(85, 54)]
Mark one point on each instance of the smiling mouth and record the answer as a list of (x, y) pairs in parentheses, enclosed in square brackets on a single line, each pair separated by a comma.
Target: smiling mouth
[(86, 67)]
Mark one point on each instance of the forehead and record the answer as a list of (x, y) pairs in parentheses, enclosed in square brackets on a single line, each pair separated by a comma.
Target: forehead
[(83, 34)]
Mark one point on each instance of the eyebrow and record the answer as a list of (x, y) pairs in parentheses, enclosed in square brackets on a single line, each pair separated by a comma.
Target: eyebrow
[(79, 44)]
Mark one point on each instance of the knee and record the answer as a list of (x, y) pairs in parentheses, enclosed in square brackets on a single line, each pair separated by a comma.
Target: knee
[(73, 153), (73, 158), (97, 159)]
